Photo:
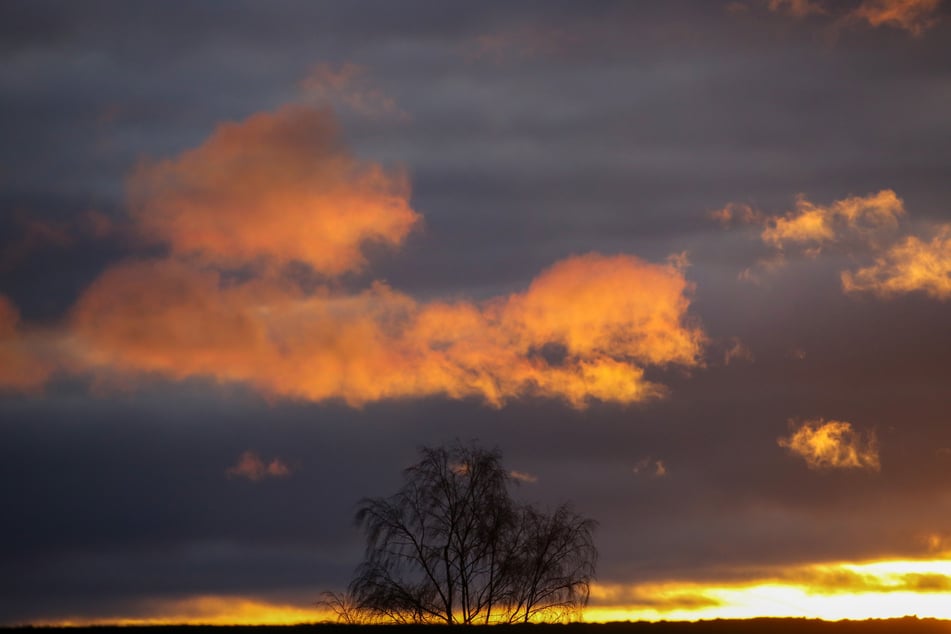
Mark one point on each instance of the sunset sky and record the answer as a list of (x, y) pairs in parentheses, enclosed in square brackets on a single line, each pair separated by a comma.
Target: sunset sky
[(686, 263)]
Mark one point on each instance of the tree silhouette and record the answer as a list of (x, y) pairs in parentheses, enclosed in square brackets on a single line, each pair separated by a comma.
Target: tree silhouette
[(452, 546)]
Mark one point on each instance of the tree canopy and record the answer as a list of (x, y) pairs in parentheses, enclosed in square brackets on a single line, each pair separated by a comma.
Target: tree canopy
[(453, 546)]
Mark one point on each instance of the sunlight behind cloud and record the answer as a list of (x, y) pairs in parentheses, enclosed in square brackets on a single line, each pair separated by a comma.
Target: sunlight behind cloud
[(202, 610), (879, 590)]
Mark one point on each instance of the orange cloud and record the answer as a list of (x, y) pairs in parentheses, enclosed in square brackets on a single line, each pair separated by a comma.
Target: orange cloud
[(914, 16), (870, 226), (280, 188), (865, 222), (584, 329), (833, 445), (521, 476), (275, 188), (251, 466), (736, 213), (220, 610), (21, 365), (908, 266), (864, 217), (659, 597)]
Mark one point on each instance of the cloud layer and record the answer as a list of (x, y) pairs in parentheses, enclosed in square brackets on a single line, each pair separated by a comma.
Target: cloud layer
[(279, 189), (585, 328)]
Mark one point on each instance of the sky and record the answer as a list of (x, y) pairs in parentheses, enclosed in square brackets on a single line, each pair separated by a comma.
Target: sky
[(685, 263)]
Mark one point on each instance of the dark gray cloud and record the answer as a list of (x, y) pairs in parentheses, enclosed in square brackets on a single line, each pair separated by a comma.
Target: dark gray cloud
[(615, 129)]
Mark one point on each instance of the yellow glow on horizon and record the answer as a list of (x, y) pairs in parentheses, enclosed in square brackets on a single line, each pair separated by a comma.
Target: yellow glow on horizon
[(832, 592), (775, 600), (829, 591), (206, 610)]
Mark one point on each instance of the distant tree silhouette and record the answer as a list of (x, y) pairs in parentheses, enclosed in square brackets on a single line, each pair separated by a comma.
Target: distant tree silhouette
[(452, 546), (342, 606)]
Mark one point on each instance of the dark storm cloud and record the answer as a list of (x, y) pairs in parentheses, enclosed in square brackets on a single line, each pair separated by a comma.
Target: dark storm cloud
[(619, 133)]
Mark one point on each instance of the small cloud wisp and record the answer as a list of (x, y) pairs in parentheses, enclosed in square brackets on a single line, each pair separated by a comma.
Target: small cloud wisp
[(251, 467), (862, 217)]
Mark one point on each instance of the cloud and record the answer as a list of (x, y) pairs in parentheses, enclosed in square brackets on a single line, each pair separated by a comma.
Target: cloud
[(845, 579), (35, 234), (914, 16), (275, 188), (763, 268), (347, 85), (875, 589), (22, 367), (224, 610), (43, 235), (862, 226), (250, 466), (937, 543), (737, 351), (279, 189), (522, 476), (584, 329), (833, 445), (659, 597), (650, 467), (862, 217), (97, 224), (797, 8), (740, 213), (910, 265)]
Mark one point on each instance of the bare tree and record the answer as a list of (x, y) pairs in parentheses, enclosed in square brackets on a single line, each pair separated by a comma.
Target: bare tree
[(452, 546), (556, 557), (342, 606)]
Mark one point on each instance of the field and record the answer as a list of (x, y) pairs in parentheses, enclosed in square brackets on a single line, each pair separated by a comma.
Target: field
[(752, 626)]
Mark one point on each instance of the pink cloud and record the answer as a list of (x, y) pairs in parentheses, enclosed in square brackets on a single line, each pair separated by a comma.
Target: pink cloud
[(250, 466)]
